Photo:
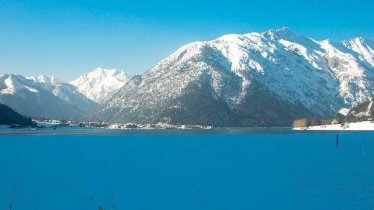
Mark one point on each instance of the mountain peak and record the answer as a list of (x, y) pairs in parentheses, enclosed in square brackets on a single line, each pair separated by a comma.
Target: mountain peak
[(358, 41), (100, 70), (284, 31), (49, 80), (99, 84), (362, 46)]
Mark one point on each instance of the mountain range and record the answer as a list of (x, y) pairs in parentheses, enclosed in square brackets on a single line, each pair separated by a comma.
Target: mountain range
[(254, 79), (48, 97)]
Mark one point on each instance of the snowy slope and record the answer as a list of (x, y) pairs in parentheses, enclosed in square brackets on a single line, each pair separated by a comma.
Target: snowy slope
[(252, 79), (66, 92), (43, 97), (100, 84)]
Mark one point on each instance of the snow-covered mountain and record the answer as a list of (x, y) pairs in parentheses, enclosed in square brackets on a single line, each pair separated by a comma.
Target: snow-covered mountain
[(100, 84), (44, 96), (252, 79)]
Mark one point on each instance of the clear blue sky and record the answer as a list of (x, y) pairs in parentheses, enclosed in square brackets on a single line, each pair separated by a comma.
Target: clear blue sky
[(69, 37)]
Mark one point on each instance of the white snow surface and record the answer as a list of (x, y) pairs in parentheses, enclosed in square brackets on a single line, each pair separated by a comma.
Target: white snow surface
[(100, 84)]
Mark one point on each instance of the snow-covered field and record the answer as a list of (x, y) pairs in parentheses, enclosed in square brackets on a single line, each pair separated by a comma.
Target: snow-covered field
[(358, 126)]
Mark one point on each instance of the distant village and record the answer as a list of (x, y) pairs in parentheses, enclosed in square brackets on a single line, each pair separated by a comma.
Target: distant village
[(55, 124), (60, 124)]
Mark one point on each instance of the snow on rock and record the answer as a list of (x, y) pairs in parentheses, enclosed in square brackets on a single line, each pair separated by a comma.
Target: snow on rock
[(364, 111), (100, 84), (364, 48)]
